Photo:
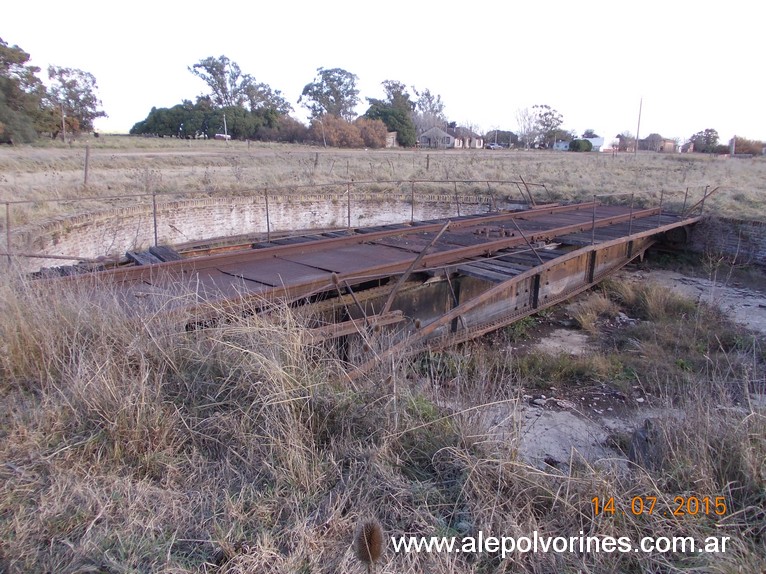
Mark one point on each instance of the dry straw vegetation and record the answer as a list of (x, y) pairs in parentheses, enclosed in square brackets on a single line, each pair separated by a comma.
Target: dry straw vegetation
[(120, 165), (131, 444)]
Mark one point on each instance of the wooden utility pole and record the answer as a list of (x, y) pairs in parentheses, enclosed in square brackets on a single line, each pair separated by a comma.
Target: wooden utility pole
[(63, 124)]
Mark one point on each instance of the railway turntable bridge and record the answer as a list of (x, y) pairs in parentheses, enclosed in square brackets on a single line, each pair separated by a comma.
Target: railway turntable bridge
[(429, 283)]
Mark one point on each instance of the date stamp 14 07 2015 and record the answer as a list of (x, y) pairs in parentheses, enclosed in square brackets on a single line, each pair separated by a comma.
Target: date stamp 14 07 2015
[(650, 505)]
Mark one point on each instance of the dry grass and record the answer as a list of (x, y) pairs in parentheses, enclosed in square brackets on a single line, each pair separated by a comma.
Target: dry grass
[(589, 310), (122, 165), (130, 444)]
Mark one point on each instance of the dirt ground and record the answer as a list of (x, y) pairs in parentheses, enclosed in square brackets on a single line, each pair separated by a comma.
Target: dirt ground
[(557, 430), (743, 300)]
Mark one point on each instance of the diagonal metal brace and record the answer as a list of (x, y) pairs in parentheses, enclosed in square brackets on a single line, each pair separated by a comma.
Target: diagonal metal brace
[(409, 269), (524, 237)]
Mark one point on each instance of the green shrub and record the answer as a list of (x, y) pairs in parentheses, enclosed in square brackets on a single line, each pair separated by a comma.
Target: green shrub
[(580, 145)]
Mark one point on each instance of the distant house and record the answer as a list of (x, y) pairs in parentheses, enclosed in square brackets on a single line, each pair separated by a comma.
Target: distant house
[(657, 143), (625, 143), (437, 138), (469, 139), (451, 138), (561, 145), (391, 139), (597, 143)]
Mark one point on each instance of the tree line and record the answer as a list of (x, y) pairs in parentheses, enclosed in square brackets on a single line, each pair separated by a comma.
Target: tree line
[(708, 141), (243, 108), (29, 108)]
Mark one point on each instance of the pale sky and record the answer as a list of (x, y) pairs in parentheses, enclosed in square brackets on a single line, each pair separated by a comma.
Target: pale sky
[(695, 64)]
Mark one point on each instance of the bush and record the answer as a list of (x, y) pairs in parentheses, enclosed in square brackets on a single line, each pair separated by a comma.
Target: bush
[(580, 145), (286, 129), (373, 132), (746, 146), (336, 132)]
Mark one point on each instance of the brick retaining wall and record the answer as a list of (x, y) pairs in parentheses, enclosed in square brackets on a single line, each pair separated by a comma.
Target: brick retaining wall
[(743, 241)]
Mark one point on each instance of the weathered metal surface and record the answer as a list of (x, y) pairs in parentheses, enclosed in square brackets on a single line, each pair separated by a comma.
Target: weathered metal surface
[(433, 283)]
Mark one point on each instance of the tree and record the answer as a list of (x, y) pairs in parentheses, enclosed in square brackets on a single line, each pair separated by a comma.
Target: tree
[(625, 141), (335, 131), (225, 80), (548, 121), (373, 132), (705, 141), (429, 110), (746, 146), (502, 137), (333, 92), (285, 129), (561, 135), (230, 87), (395, 112), (526, 120), (73, 93), (580, 145), (261, 97), (397, 96), (21, 94), (652, 142), (175, 121), (589, 133), (203, 119)]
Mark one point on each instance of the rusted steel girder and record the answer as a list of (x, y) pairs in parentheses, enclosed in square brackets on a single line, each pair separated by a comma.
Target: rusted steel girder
[(524, 294)]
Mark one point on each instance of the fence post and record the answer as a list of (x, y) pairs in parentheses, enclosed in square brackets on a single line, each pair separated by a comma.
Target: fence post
[(348, 203), (87, 164), (659, 215), (8, 231), (704, 197), (412, 201), (686, 196), (630, 221), (154, 216), (457, 200), (492, 198)]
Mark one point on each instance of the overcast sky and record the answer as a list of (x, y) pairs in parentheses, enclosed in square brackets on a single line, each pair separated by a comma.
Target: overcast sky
[(696, 65)]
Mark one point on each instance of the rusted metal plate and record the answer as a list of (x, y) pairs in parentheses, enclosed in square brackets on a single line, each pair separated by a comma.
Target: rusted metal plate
[(352, 258), (275, 272)]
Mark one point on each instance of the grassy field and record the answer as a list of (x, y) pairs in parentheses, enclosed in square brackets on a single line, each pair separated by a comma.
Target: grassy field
[(120, 165), (129, 444)]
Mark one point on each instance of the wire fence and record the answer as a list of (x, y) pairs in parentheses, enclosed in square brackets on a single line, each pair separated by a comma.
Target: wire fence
[(453, 192)]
